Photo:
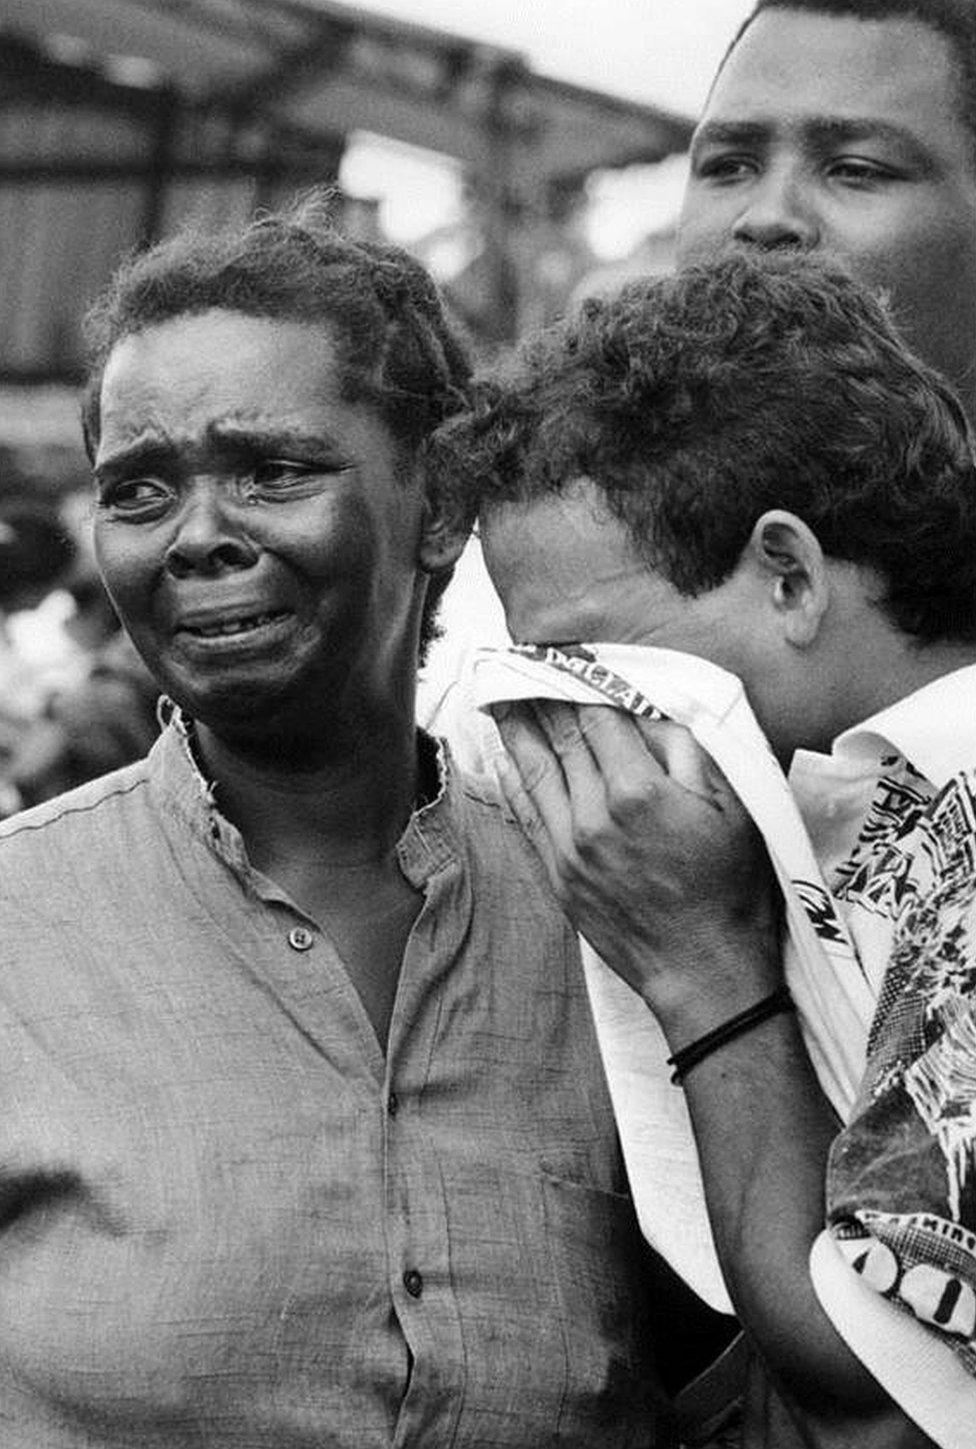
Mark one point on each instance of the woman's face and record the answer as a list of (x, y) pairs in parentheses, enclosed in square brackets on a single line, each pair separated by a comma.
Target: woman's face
[(251, 525)]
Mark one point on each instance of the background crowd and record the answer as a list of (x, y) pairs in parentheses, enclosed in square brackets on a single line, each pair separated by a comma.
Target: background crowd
[(75, 699)]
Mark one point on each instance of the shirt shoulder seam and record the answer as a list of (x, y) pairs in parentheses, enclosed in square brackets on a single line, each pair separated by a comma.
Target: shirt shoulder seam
[(15, 827)]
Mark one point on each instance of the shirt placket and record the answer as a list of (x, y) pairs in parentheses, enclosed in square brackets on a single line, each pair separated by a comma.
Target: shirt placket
[(416, 1196)]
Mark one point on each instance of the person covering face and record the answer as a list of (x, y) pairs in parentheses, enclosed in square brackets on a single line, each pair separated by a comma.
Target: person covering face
[(744, 463)]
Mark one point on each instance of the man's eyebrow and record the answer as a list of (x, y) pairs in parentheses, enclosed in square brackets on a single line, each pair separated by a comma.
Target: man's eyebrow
[(839, 130), (821, 131), (731, 133)]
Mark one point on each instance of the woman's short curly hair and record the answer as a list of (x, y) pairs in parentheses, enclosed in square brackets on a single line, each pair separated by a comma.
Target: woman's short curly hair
[(398, 349), (699, 401)]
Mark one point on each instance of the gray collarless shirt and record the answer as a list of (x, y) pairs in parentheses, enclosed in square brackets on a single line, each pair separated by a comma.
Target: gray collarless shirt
[(227, 1219)]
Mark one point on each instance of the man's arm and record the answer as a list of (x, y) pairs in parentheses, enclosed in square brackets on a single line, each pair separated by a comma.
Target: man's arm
[(658, 865)]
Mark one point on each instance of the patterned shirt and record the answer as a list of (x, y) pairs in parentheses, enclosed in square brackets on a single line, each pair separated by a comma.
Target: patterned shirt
[(898, 833), (229, 1219)]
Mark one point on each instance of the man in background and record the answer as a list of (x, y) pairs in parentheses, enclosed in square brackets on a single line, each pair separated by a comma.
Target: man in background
[(847, 129)]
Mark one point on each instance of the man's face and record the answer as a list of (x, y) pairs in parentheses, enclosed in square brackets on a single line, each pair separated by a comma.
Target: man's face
[(250, 525), (566, 572), (843, 137)]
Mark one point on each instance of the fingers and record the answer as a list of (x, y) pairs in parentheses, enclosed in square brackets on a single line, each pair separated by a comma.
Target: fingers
[(580, 769), (520, 803), (534, 787), (557, 790), (637, 831), (560, 726), (580, 765), (610, 775), (621, 743), (616, 743)]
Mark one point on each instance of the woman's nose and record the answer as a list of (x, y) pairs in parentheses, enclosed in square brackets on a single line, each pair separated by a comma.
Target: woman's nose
[(210, 535)]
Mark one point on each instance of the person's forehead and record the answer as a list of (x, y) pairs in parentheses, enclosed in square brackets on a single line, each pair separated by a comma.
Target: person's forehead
[(565, 524), (790, 65), (553, 545), (226, 382), (224, 339), (218, 362)]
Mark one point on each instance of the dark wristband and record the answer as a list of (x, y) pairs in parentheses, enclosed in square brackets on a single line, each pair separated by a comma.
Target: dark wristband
[(696, 1051)]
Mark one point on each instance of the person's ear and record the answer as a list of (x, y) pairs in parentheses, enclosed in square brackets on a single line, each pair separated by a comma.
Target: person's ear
[(790, 561), (443, 535)]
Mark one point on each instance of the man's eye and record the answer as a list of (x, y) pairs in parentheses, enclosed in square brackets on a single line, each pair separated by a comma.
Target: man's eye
[(731, 166), (858, 171)]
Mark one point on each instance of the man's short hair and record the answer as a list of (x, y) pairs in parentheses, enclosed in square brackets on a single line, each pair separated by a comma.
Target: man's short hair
[(954, 20), (699, 401), (397, 348)]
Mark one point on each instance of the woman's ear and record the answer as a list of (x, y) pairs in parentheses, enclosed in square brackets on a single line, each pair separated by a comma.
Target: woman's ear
[(791, 564), (443, 535)]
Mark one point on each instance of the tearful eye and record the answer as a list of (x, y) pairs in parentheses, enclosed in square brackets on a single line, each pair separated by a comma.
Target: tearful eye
[(135, 496), (279, 479), (280, 471)]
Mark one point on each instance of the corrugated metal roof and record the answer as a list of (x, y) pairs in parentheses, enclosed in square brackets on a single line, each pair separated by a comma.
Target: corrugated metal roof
[(120, 117)]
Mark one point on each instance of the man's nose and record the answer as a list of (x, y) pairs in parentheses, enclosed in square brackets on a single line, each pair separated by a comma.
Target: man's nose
[(779, 213), (211, 534)]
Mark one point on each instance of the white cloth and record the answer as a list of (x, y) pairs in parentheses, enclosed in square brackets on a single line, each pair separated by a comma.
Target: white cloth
[(834, 1000), (923, 1376)]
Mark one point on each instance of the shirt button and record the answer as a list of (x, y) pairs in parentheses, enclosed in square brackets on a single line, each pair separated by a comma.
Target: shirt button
[(413, 1282), (300, 938)]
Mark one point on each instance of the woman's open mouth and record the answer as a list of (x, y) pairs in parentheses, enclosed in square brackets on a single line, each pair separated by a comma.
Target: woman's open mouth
[(233, 634), (223, 628)]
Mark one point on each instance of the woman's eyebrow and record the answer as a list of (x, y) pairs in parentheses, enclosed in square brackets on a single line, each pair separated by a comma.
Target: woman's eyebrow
[(148, 452), (277, 438), (231, 435)]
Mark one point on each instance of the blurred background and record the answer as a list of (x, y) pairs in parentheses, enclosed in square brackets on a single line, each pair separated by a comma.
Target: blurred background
[(528, 151)]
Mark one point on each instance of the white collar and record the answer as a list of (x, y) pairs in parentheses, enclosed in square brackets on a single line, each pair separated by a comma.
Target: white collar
[(934, 728)]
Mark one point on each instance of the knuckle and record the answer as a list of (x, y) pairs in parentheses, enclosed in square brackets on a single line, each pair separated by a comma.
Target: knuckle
[(568, 865), (534, 775), (628, 800), (567, 741), (588, 839), (590, 722)]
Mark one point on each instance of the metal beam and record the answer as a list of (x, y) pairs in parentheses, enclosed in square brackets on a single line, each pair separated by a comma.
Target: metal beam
[(71, 172), (159, 169), (319, 55)]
